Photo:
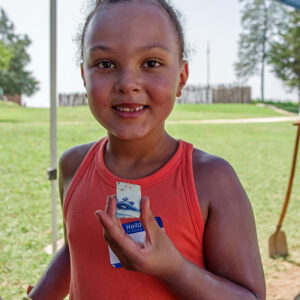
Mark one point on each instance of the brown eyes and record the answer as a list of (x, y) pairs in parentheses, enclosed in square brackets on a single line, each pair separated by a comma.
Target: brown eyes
[(105, 64), (149, 64), (152, 64)]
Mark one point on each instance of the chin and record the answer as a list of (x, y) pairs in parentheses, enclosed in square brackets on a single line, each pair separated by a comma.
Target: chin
[(128, 135)]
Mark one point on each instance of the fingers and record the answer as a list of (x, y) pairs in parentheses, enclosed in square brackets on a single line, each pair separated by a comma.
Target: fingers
[(108, 218), (146, 214), (148, 220), (112, 228), (105, 220), (145, 207), (131, 254), (120, 243), (111, 205)]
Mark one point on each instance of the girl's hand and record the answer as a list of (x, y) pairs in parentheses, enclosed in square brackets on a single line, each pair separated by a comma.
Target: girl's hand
[(157, 256)]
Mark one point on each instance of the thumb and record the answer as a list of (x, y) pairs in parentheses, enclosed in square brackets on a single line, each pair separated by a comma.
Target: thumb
[(103, 218)]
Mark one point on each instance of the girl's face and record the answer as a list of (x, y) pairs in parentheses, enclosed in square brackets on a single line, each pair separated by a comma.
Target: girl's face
[(131, 70)]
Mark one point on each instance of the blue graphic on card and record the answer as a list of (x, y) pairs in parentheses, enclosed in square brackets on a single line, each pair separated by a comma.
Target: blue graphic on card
[(137, 232), (128, 200)]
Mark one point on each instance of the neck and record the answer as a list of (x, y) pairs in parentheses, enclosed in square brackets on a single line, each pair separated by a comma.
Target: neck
[(135, 159)]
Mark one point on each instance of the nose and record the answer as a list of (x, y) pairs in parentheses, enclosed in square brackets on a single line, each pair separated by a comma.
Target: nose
[(127, 82)]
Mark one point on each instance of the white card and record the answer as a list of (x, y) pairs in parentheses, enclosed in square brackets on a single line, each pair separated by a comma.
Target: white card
[(137, 232), (128, 200)]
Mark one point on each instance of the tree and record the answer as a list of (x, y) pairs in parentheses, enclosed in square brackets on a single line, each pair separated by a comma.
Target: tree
[(6, 55), (14, 78), (261, 21), (285, 54)]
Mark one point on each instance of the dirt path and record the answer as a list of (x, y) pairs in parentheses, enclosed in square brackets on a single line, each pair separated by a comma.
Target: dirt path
[(284, 285), (238, 121)]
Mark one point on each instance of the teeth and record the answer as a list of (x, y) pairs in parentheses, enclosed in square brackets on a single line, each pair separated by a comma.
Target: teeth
[(127, 109)]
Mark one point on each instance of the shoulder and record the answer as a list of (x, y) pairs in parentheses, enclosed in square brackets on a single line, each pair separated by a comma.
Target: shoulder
[(69, 163), (210, 164), (213, 173), (72, 158), (215, 179)]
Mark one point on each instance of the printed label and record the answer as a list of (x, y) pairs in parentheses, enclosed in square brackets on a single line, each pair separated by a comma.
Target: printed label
[(137, 232)]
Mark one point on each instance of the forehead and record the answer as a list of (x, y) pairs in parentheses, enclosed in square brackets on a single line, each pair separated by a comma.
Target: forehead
[(131, 24)]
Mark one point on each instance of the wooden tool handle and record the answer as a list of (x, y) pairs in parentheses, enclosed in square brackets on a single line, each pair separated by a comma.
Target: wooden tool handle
[(289, 189), (297, 123)]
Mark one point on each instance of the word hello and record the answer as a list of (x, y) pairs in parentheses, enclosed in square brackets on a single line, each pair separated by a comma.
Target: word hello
[(133, 226)]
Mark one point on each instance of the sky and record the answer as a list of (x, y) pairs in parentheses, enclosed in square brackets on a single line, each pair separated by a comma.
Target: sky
[(213, 22)]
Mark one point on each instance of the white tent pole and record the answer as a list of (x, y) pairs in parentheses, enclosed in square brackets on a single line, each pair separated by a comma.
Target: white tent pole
[(208, 98), (53, 169)]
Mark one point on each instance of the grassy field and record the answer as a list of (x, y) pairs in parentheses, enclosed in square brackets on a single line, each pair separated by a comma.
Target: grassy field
[(260, 153), (14, 114), (292, 107)]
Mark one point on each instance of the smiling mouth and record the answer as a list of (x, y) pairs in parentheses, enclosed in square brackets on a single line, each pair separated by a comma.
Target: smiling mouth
[(130, 109)]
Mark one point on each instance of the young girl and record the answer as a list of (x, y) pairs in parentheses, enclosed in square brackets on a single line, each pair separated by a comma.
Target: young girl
[(133, 68)]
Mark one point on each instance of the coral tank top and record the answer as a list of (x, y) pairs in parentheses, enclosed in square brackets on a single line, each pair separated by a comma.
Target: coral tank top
[(173, 198)]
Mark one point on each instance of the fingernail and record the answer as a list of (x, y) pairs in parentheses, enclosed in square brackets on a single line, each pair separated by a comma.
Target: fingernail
[(147, 202), (98, 213), (108, 200)]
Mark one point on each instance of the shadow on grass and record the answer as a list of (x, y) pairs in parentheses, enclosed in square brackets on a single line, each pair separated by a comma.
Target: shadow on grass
[(8, 121), (288, 106), (288, 260), (293, 262)]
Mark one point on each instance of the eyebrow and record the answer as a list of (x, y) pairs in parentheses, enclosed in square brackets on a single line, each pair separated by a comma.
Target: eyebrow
[(153, 46), (141, 49)]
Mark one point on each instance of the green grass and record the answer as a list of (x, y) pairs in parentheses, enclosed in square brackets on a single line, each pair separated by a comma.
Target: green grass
[(288, 106), (12, 113), (220, 111), (260, 153)]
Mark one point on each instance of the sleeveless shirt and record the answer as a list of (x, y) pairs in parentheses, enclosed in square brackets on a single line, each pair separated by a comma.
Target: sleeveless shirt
[(173, 198)]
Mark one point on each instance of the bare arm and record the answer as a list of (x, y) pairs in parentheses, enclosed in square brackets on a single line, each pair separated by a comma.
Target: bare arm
[(234, 268), (55, 282), (191, 282)]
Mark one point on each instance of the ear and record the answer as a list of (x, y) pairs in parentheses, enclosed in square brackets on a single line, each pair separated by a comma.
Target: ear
[(82, 74), (184, 75)]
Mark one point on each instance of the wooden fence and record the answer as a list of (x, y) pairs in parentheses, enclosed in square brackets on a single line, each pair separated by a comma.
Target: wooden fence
[(190, 94), (215, 94), (77, 99), (14, 98)]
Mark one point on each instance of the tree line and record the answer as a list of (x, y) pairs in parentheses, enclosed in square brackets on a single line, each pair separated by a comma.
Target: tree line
[(14, 58), (270, 36)]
